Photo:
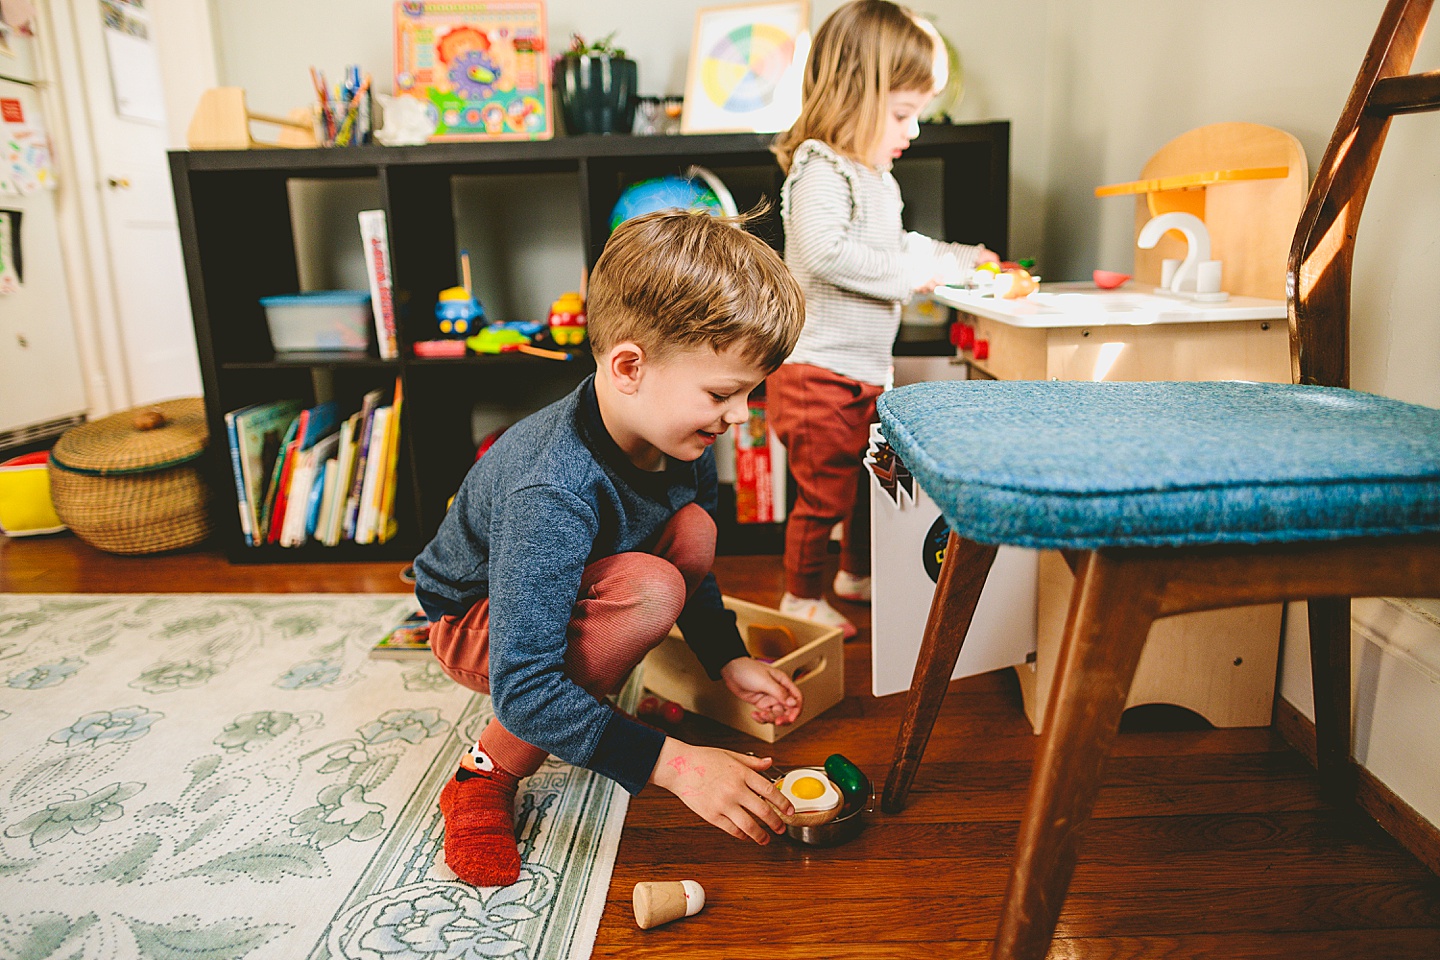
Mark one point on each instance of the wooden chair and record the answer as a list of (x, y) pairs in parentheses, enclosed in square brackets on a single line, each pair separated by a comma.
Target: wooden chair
[(1172, 498)]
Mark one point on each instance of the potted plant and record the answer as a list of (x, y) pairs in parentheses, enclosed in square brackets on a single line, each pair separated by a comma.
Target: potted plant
[(597, 86)]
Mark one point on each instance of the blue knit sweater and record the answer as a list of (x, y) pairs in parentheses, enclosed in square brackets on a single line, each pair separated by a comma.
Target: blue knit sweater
[(552, 495)]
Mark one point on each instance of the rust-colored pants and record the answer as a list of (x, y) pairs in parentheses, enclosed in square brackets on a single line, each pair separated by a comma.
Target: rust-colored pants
[(823, 419), (628, 602)]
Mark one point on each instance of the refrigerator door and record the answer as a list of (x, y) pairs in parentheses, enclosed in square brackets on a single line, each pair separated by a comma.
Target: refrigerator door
[(40, 374), (17, 58)]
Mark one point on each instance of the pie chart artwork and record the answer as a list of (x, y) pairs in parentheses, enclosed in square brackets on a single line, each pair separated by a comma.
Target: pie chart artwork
[(746, 68), (743, 70)]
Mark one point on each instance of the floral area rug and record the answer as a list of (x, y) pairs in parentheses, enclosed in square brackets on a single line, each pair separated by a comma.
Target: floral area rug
[(216, 777)]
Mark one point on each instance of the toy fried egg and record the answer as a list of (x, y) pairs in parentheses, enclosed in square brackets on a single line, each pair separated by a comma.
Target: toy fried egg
[(815, 798)]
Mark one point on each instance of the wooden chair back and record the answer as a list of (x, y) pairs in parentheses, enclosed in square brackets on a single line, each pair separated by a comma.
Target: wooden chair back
[(1318, 277)]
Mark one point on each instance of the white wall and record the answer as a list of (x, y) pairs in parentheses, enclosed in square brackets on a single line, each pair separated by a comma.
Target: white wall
[(1004, 69), (1128, 75), (185, 43), (1092, 88)]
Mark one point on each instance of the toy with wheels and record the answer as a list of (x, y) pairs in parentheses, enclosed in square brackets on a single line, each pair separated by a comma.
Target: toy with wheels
[(567, 320), (457, 311)]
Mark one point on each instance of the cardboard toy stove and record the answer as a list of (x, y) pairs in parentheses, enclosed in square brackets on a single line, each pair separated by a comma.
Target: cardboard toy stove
[(907, 545)]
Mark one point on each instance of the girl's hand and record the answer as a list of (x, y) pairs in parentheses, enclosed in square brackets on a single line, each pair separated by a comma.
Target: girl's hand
[(773, 694), (724, 788), (986, 256)]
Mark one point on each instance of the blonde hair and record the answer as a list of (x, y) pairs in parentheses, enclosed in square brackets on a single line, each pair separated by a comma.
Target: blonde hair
[(862, 53), (679, 279)]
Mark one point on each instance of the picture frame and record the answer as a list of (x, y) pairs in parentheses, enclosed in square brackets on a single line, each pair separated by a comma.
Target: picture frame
[(747, 63), (482, 69)]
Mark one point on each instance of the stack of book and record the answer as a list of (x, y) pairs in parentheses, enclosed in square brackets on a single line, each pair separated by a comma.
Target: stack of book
[(305, 474)]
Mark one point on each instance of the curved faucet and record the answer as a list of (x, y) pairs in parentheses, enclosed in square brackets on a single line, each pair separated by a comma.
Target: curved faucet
[(1197, 241)]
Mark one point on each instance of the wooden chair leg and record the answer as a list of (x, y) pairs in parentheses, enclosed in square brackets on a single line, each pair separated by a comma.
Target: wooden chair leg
[(1110, 616), (962, 577), (1330, 679)]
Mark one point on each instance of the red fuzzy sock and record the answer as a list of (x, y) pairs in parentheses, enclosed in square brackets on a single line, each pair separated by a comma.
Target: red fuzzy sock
[(479, 812)]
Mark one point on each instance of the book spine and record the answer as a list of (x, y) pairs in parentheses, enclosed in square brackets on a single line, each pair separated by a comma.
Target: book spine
[(324, 476), (377, 267), (386, 526), (362, 462), (296, 499), (365, 525), (336, 518), (754, 485), (282, 494), (241, 496)]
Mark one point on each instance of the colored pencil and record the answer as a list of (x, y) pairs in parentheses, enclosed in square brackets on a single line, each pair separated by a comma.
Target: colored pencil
[(352, 110)]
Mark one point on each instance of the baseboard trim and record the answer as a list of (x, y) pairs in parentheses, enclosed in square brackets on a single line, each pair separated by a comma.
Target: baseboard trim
[(1395, 816)]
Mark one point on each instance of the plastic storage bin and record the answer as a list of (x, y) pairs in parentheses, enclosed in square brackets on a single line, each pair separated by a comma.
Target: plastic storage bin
[(323, 320)]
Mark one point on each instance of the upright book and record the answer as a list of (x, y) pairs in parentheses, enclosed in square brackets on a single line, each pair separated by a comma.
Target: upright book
[(260, 430), (232, 434), (376, 238), (277, 483)]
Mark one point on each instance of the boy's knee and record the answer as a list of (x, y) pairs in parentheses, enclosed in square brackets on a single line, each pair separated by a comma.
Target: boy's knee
[(690, 543), (657, 587), (694, 521)]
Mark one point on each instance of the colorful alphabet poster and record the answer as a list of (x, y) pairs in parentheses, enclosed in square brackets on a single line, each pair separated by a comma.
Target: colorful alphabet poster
[(481, 69)]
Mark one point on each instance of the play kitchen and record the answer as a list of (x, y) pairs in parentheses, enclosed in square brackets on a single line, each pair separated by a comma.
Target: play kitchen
[(1215, 210)]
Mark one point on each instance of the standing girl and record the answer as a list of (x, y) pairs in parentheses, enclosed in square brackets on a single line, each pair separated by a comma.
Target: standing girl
[(873, 68)]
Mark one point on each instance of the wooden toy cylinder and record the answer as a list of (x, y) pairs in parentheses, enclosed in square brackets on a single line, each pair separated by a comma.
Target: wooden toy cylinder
[(663, 901)]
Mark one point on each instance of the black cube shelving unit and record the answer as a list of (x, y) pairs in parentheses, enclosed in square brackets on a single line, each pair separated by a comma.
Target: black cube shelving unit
[(238, 234)]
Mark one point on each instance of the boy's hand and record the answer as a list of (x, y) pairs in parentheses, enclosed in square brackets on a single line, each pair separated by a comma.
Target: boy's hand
[(773, 694), (985, 256), (724, 788)]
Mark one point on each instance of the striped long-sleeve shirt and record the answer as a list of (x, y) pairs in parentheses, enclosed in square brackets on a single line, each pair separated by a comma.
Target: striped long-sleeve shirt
[(845, 244)]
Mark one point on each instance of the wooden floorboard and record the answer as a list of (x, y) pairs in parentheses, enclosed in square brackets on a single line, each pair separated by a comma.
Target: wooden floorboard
[(1205, 843)]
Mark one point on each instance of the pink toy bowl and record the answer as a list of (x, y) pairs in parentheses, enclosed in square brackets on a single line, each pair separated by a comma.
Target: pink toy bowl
[(1109, 279)]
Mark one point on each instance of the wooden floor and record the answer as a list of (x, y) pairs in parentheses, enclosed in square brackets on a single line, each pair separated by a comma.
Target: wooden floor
[(1204, 843)]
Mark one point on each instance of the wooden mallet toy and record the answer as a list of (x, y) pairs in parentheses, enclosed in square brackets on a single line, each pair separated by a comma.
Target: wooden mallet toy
[(662, 901)]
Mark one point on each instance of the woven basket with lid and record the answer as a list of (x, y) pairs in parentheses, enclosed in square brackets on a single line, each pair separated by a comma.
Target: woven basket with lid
[(130, 483)]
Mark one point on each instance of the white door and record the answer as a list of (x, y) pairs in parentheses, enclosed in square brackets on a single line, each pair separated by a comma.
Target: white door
[(118, 68)]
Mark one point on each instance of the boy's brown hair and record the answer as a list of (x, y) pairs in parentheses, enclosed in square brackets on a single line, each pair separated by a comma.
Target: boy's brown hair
[(679, 279)]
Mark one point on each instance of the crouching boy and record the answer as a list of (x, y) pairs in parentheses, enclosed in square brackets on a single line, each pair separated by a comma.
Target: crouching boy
[(586, 531)]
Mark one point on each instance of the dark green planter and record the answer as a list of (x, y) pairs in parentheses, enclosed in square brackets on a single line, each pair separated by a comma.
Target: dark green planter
[(597, 94)]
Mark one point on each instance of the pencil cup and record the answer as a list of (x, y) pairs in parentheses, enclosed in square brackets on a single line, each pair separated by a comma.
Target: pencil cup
[(661, 902), (330, 123)]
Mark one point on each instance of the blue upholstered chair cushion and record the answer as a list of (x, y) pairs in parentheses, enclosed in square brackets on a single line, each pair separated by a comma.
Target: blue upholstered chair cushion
[(1073, 464)]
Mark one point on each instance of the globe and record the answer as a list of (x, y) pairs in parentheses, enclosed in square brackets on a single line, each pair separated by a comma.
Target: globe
[(665, 193)]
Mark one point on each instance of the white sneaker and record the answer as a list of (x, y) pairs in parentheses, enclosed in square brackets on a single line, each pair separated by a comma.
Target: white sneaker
[(852, 588), (816, 611)]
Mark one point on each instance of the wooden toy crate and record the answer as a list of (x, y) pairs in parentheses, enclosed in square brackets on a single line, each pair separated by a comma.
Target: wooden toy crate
[(672, 672)]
